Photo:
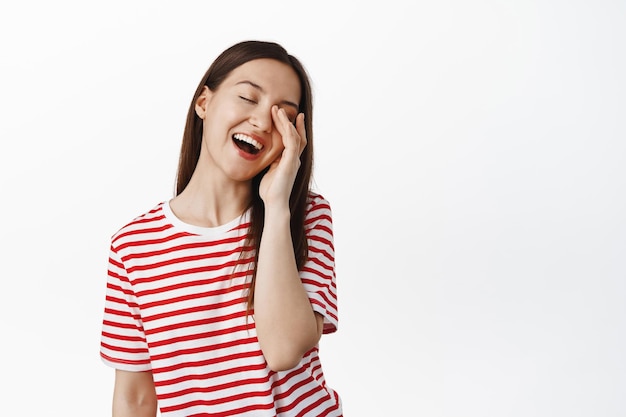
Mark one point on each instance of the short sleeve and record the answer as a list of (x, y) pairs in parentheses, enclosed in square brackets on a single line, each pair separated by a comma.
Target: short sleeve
[(318, 273), (123, 342)]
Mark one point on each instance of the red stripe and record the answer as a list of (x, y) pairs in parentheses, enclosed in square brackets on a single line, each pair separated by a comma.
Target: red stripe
[(324, 277), (126, 361), (211, 361), (195, 283), (205, 348), (235, 411), (189, 258), (137, 243), (213, 388), (209, 375), (324, 241), (323, 252), (188, 271), (194, 296), (224, 400), (329, 268), (133, 232), (121, 313), (124, 338), (318, 219), (189, 310), (202, 335), (123, 349), (121, 325), (187, 246)]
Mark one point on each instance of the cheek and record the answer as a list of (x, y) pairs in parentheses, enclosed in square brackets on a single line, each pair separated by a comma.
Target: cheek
[(224, 115), (277, 140), (277, 147)]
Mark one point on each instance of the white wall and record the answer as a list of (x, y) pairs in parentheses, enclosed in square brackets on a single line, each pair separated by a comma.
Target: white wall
[(474, 154)]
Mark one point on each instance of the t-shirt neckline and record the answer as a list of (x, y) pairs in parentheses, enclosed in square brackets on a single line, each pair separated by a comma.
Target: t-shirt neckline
[(201, 230)]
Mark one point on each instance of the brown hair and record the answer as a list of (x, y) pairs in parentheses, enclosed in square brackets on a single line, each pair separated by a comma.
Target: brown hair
[(226, 62)]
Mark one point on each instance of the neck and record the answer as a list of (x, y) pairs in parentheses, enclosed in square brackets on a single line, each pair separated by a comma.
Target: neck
[(210, 203)]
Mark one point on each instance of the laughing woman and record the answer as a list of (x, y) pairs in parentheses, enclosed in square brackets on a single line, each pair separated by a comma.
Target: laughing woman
[(217, 298)]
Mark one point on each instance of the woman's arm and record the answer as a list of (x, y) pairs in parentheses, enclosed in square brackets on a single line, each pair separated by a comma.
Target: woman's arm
[(286, 325), (134, 394)]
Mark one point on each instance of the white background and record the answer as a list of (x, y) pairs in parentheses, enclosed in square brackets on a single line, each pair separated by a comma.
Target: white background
[(474, 154)]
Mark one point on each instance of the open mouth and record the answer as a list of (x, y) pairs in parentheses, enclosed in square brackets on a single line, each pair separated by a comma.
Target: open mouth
[(247, 144)]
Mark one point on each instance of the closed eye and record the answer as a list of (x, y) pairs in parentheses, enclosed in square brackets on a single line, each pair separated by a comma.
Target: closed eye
[(247, 99)]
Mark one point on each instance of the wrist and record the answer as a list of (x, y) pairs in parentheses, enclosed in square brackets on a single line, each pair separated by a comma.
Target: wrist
[(277, 215)]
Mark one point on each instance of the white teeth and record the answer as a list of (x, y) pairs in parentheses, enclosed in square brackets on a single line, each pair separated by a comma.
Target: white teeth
[(248, 139)]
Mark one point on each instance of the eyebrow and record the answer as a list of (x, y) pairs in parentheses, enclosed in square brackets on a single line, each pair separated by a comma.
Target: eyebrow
[(258, 87)]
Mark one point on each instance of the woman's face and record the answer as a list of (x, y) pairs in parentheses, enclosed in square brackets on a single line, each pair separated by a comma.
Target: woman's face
[(238, 135)]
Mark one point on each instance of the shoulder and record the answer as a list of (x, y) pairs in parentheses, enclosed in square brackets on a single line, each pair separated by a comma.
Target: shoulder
[(317, 202), (318, 212), (148, 219)]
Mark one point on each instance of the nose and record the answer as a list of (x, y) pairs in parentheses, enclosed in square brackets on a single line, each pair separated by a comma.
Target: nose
[(261, 118)]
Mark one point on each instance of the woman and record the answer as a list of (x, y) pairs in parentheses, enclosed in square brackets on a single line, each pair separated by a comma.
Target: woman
[(216, 299)]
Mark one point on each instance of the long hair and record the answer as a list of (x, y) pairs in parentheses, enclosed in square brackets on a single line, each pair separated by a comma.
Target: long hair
[(226, 62)]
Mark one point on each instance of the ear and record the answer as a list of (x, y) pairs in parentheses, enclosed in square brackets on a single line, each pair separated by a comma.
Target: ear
[(202, 102)]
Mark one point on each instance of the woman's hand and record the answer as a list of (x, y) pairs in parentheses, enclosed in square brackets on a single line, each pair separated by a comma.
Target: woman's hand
[(277, 183)]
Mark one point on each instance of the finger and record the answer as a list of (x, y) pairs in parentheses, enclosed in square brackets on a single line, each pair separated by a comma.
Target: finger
[(286, 129), (301, 128)]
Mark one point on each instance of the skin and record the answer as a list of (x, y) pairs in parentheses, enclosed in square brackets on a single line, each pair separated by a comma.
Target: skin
[(134, 394), (256, 99)]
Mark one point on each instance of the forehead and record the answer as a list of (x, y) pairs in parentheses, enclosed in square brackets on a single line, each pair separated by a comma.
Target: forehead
[(275, 78)]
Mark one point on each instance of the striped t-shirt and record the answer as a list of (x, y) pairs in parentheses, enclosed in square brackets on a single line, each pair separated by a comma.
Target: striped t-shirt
[(176, 305)]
